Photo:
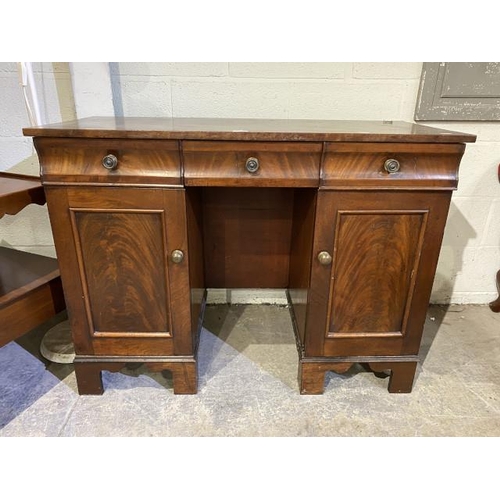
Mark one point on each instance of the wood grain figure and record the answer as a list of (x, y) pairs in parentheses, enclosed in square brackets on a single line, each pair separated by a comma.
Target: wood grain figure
[(147, 213)]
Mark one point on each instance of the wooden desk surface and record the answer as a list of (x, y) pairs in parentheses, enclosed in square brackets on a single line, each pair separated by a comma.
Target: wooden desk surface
[(17, 191), (248, 130)]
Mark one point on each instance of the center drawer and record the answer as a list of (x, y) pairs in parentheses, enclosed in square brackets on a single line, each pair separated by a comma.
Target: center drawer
[(251, 164)]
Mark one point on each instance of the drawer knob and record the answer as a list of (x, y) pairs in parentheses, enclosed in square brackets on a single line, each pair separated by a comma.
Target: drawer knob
[(325, 259), (392, 165), (110, 162), (252, 165), (177, 256)]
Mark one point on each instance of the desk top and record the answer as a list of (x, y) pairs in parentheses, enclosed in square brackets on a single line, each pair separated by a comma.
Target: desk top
[(237, 129)]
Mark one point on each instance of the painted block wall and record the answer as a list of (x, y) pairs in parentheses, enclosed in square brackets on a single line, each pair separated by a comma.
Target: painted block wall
[(470, 255), (30, 229)]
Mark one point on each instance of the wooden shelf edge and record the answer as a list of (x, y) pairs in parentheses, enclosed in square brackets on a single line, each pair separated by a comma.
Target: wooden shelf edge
[(17, 191), (46, 271)]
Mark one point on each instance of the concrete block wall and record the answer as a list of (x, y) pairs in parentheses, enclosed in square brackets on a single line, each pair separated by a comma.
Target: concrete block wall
[(470, 255), (268, 90), (30, 229)]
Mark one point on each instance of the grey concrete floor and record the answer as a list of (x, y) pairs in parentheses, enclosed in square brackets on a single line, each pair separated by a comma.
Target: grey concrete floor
[(248, 386)]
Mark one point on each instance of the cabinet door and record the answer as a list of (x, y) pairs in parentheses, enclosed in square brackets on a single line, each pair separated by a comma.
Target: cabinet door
[(373, 296), (125, 295)]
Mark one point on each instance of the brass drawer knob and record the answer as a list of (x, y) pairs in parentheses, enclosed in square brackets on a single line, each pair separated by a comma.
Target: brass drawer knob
[(252, 165), (110, 162), (392, 165), (325, 259), (177, 256)]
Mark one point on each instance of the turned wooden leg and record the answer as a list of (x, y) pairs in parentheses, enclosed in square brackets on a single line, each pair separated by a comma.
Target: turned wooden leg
[(88, 379), (402, 375), (185, 378), (495, 305)]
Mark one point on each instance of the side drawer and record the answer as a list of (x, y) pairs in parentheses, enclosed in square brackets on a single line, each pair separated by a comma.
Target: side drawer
[(280, 164), (369, 165), (81, 161)]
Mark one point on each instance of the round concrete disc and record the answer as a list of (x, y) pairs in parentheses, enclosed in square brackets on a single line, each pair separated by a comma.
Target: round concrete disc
[(57, 345)]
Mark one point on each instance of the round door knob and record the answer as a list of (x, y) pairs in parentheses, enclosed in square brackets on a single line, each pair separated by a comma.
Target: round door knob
[(110, 162), (392, 165), (324, 258), (177, 256), (252, 165)]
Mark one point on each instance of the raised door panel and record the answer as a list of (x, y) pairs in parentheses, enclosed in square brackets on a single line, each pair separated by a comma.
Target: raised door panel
[(372, 298), (124, 293), (375, 257), (120, 252)]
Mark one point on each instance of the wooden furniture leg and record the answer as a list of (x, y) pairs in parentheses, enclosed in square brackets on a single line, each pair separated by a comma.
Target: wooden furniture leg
[(495, 305), (185, 377), (311, 378), (89, 378), (402, 375), (312, 375), (89, 373)]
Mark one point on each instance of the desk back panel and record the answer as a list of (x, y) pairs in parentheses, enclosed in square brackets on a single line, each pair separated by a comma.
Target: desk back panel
[(247, 237)]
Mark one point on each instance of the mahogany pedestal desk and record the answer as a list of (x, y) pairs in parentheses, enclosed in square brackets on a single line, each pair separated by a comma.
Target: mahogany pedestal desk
[(147, 214)]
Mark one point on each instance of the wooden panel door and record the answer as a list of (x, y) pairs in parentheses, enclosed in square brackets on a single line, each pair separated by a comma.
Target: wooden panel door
[(125, 294), (373, 296)]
